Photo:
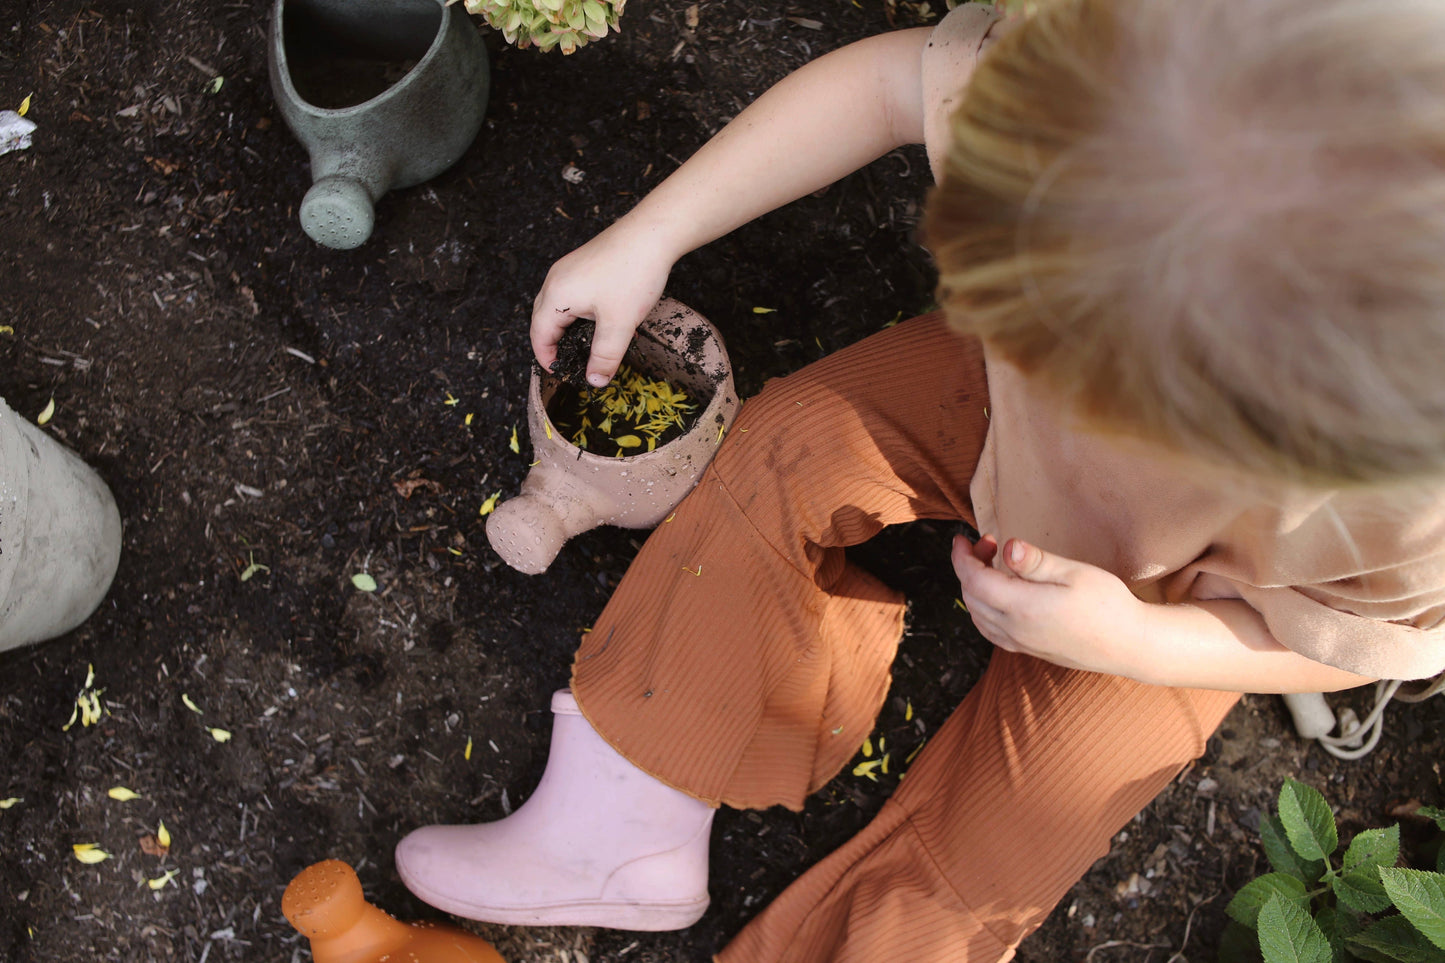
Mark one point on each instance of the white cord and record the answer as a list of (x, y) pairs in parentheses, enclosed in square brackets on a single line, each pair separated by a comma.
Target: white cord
[(1346, 744), (1433, 688)]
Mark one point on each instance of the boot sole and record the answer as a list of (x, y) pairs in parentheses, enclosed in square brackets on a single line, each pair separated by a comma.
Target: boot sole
[(651, 916)]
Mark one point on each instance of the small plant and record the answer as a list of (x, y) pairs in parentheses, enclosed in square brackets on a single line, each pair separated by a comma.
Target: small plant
[(1312, 910), (564, 24)]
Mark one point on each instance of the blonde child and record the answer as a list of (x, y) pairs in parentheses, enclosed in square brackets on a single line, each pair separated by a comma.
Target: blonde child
[(1185, 381)]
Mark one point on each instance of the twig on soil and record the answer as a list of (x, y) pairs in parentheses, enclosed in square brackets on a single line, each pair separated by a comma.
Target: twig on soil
[(1179, 956), (1113, 943)]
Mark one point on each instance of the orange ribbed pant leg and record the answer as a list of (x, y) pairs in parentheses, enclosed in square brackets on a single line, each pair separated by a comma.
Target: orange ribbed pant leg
[(999, 815), (742, 660)]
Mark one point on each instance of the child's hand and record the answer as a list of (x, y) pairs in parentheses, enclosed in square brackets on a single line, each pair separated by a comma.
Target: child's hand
[(1060, 610), (614, 279)]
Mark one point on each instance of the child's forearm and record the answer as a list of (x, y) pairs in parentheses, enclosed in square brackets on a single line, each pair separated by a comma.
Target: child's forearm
[(817, 125), (1225, 644)]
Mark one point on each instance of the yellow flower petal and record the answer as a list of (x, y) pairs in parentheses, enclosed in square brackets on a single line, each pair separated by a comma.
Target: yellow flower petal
[(47, 414), (867, 747), (25, 105), (163, 835), (220, 735), (514, 444), (364, 582), (866, 769), (122, 794), (908, 712), (90, 853), (490, 504), (7, 803), (628, 441), (160, 882), (186, 700), (468, 753)]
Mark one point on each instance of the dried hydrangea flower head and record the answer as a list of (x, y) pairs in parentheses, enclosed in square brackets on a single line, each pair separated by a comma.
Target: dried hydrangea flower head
[(565, 24)]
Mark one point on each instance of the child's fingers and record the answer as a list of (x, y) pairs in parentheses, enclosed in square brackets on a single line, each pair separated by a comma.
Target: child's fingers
[(1036, 565), (550, 318), (980, 582), (609, 344), (544, 342), (997, 589), (985, 549)]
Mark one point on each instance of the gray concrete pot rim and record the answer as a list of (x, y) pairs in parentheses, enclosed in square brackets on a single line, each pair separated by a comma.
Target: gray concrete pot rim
[(14, 489), (283, 63)]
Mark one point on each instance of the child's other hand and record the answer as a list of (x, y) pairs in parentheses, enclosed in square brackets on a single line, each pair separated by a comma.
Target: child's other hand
[(614, 279), (1066, 612)]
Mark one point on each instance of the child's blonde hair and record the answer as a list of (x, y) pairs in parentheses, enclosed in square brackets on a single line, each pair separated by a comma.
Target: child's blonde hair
[(1216, 225)]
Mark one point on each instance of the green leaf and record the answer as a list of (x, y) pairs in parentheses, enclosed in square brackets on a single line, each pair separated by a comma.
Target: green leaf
[(1307, 819), (1358, 886), (1361, 890), (1329, 920), (364, 582), (1282, 856), (1287, 934), (1433, 812), (1373, 847), (1245, 906), (1421, 897), (1393, 938)]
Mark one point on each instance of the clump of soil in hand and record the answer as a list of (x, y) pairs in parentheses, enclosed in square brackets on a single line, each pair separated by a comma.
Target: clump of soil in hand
[(632, 415), (572, 353)]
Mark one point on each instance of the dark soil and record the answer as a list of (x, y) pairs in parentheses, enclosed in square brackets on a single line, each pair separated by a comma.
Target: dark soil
[(254, 399), (573, 350)]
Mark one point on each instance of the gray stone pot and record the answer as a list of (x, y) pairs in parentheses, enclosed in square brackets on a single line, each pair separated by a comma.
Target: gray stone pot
[(382, 93), (59, 535)]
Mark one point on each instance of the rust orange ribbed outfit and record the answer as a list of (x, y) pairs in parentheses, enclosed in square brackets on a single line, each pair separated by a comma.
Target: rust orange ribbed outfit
[(743, 660)]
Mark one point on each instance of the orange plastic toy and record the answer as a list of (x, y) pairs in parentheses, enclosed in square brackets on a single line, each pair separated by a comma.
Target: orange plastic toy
[(326, 904)]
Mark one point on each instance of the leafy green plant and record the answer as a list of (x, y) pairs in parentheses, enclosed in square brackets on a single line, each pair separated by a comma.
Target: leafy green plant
[(1314, 909), (564, 24)]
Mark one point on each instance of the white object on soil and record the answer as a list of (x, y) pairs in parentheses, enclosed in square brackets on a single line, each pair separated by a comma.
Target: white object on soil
[(15, 131)]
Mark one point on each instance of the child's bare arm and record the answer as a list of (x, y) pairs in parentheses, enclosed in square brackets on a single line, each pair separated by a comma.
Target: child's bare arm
[(822, 122), (1083, 617)]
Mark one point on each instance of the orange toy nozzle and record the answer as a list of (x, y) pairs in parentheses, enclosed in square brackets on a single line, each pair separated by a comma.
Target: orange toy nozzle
[(325, 903)]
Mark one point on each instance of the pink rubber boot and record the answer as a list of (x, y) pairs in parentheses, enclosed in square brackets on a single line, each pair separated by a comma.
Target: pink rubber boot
[(600, 843)]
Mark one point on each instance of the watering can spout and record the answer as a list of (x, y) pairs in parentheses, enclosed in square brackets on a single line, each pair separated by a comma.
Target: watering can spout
[(528, 531), (337, 212)]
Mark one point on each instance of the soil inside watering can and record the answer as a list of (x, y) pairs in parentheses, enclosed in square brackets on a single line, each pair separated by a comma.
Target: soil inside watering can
[(332, 72), (335, 83)]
